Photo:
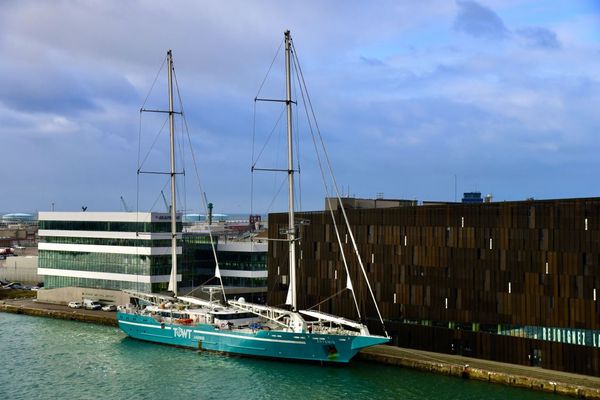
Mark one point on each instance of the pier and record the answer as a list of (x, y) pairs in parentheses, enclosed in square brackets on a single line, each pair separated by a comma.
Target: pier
[(562, 383)]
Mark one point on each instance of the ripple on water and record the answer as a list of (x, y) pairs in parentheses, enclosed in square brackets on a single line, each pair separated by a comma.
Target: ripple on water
[(65, 359)]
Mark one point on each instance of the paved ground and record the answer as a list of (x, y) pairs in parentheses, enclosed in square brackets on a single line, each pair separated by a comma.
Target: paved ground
[(30, 303), (492, 366)]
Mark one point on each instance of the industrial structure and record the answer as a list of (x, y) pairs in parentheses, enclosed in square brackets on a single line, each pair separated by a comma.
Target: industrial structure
[(515, 282)]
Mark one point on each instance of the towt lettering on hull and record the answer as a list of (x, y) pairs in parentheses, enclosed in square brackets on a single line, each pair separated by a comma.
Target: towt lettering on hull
[(182, 333)]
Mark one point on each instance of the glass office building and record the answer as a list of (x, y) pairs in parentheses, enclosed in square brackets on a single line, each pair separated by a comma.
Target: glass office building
[(106, 250)]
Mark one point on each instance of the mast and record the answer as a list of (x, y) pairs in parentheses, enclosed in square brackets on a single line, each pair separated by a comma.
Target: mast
[(173, 208), (291, 235)]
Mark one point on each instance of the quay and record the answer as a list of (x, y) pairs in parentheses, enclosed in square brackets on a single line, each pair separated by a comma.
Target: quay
[(535, 378), (30, 307)]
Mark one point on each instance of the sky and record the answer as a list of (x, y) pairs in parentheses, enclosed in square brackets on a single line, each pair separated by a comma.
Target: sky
[(415, 99)]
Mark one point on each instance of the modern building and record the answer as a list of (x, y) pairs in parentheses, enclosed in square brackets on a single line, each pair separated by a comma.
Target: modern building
[(101, 253), (515, 282), (242, 265), (98, 254)]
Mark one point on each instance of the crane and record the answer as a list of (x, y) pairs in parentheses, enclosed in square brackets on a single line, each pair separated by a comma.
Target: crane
[(165, 200), (125, 205)]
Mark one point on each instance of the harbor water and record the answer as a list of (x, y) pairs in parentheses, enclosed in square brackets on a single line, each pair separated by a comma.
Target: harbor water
[(48, 358)]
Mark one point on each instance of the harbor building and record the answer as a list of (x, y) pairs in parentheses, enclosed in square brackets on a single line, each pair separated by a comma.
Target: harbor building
[(98, 254), (516, 282), (242, 265), (243, 268)]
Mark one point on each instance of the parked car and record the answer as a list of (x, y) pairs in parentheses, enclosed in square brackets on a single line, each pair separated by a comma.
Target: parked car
[(14, 285), (91, 304), (109, 307), (74, 304)]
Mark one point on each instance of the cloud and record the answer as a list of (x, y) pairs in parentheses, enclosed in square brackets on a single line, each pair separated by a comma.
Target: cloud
[(479, 21), (373, 62), (539, 37), (403, 94)]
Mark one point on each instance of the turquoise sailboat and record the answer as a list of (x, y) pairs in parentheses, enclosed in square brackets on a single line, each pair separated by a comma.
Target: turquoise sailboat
[(242, 328)]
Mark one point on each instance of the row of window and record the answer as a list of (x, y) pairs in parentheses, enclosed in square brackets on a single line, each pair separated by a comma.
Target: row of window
[(106, 226), (105, 262), (54, 282), (582, 337), (243, 266), (108, 242), (244, 282)]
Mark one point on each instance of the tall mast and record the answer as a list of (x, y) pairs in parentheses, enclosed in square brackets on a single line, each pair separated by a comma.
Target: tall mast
[(291, 225), (173, 208)]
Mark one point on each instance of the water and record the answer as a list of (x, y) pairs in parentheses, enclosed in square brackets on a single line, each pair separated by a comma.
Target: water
[(48, 358)]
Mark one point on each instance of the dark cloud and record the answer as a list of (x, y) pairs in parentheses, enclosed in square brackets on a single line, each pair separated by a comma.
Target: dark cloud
[(479, 21), (373, 62), (539, 37), (65, 91)]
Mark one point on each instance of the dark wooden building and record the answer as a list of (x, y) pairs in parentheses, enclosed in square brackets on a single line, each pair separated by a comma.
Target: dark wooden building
[(516, 282)]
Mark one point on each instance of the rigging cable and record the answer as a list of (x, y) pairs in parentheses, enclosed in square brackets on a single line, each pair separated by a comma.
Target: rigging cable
[(153, 144), (301, 76), (269, 70), (137, 195), (181, 143), (297, 137), (254, 161), (329, 205), (203, 198)]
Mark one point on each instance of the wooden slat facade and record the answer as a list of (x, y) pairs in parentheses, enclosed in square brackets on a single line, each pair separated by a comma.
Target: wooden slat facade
[(460, 274)]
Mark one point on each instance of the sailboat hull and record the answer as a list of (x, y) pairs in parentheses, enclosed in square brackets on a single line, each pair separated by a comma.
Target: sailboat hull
[(260, 343)]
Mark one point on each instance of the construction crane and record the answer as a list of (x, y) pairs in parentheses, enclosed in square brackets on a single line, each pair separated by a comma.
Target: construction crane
[(125, 205), (165, 200)]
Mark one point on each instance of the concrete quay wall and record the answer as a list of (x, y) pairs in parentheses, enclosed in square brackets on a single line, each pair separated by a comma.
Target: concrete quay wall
[(556, 382), (40, 310)]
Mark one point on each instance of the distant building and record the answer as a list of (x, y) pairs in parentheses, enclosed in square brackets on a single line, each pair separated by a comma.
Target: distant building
[(18, 218), (242, 264), (356, 203), (472, 197), (244, 270)]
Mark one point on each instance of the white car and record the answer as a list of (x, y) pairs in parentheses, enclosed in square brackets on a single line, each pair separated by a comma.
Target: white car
[(74, 304), (109, 307)]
